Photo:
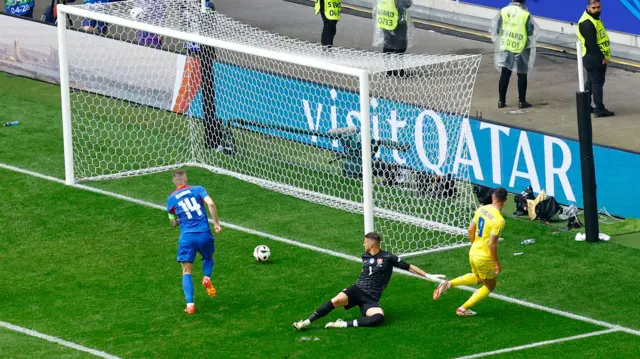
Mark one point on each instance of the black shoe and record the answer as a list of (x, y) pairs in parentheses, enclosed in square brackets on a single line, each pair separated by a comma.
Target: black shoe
[(603, 113), (524, 104), (592, 109), (501, 104)]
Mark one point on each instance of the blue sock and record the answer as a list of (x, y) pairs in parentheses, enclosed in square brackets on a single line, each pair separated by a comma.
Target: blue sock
[(207, 267), (187, 286)]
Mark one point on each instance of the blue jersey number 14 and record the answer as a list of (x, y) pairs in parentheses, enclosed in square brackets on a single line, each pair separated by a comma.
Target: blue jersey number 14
[(190, 205)]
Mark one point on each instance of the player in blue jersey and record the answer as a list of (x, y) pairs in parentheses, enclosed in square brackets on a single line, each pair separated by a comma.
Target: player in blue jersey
[(186, 209)]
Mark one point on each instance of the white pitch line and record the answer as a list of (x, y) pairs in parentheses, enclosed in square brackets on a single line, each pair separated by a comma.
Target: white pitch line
[(539, 344), (31, 173), (340, 255), (51, 339)]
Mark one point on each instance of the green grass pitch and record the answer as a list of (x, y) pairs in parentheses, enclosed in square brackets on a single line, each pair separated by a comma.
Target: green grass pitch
[(101, 272)]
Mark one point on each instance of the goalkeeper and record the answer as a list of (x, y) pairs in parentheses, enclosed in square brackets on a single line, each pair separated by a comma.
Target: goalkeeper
[(377, 267)]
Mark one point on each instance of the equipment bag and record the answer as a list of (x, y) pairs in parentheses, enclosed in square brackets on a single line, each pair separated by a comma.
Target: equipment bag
[(547, 208), (521, 201), (484, 194)]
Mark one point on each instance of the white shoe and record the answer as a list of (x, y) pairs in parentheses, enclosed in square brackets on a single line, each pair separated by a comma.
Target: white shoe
[(463, 312), (442, 288), (301, 324), (337, 324)]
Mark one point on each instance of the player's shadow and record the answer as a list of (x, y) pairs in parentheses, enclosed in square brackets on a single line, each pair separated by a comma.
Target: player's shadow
[(390, 318), (268, 262)]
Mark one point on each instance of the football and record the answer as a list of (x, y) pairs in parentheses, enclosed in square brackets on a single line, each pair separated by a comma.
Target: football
[(262, 253)]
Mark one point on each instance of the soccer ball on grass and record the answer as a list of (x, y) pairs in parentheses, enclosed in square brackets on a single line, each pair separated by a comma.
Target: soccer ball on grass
[(262, 253)]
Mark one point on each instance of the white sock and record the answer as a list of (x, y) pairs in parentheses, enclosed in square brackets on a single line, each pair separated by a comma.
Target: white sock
[(355, 323)]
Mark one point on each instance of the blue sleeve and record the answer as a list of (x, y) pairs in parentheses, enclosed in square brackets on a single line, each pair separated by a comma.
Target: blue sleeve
[(202, 192)]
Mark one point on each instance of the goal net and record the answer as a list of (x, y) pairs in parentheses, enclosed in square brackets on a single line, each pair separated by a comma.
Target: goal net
[(164, 84)]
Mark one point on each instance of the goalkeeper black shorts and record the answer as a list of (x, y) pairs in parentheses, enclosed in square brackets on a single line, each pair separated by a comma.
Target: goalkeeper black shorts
[(358, 298)]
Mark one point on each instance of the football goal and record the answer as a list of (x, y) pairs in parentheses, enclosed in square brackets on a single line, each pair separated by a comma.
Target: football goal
[(150, 86)]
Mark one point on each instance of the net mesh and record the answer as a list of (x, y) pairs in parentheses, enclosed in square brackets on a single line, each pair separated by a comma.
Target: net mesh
[(143, 102)]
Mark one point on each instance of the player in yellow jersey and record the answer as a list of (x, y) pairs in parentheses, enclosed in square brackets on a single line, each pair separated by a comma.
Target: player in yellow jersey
[(484, 232)]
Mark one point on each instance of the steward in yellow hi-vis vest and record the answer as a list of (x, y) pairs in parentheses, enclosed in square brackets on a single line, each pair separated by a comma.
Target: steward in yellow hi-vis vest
[(392, 27), (596, 52), (602, 38), (514, 35), (513, 32), (330, 11)]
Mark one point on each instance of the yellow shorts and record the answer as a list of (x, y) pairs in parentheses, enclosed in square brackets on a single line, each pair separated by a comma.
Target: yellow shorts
[(482, 267)]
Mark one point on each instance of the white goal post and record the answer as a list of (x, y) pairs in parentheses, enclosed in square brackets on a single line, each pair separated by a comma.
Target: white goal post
[(374, 134)]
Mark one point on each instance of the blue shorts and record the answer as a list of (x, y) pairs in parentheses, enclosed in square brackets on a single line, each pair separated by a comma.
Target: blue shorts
[(192, 243), (98, 26)]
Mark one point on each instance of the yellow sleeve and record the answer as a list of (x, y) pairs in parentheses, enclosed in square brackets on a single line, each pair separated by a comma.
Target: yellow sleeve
[(497, 229), (476, 216)]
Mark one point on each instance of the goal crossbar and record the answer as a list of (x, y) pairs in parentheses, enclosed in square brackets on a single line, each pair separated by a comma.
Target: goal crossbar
[(209, 41)]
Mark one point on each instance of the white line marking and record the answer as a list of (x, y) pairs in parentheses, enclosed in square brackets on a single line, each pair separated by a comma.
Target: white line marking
[(30, 173), (340, 255), (539, 344), (542, 308), (49, 338), (436, 250)]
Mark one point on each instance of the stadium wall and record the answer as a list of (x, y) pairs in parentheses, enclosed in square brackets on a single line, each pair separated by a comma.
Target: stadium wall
[(619, 15), (497, 155), (557, 19)]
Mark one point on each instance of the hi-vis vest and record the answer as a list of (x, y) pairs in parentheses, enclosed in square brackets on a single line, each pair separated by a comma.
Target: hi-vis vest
[(513, 35), (332, 9), (601, 33), (387, 14)]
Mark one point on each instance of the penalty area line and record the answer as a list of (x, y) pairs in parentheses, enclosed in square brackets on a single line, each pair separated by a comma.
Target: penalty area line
[(539, 344), (338, 254)]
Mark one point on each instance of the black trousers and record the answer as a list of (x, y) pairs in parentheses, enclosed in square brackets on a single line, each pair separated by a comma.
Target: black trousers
[(395, 42), (392, 50), (388, 50), (504, 85), (595, 84), (329, 29)]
